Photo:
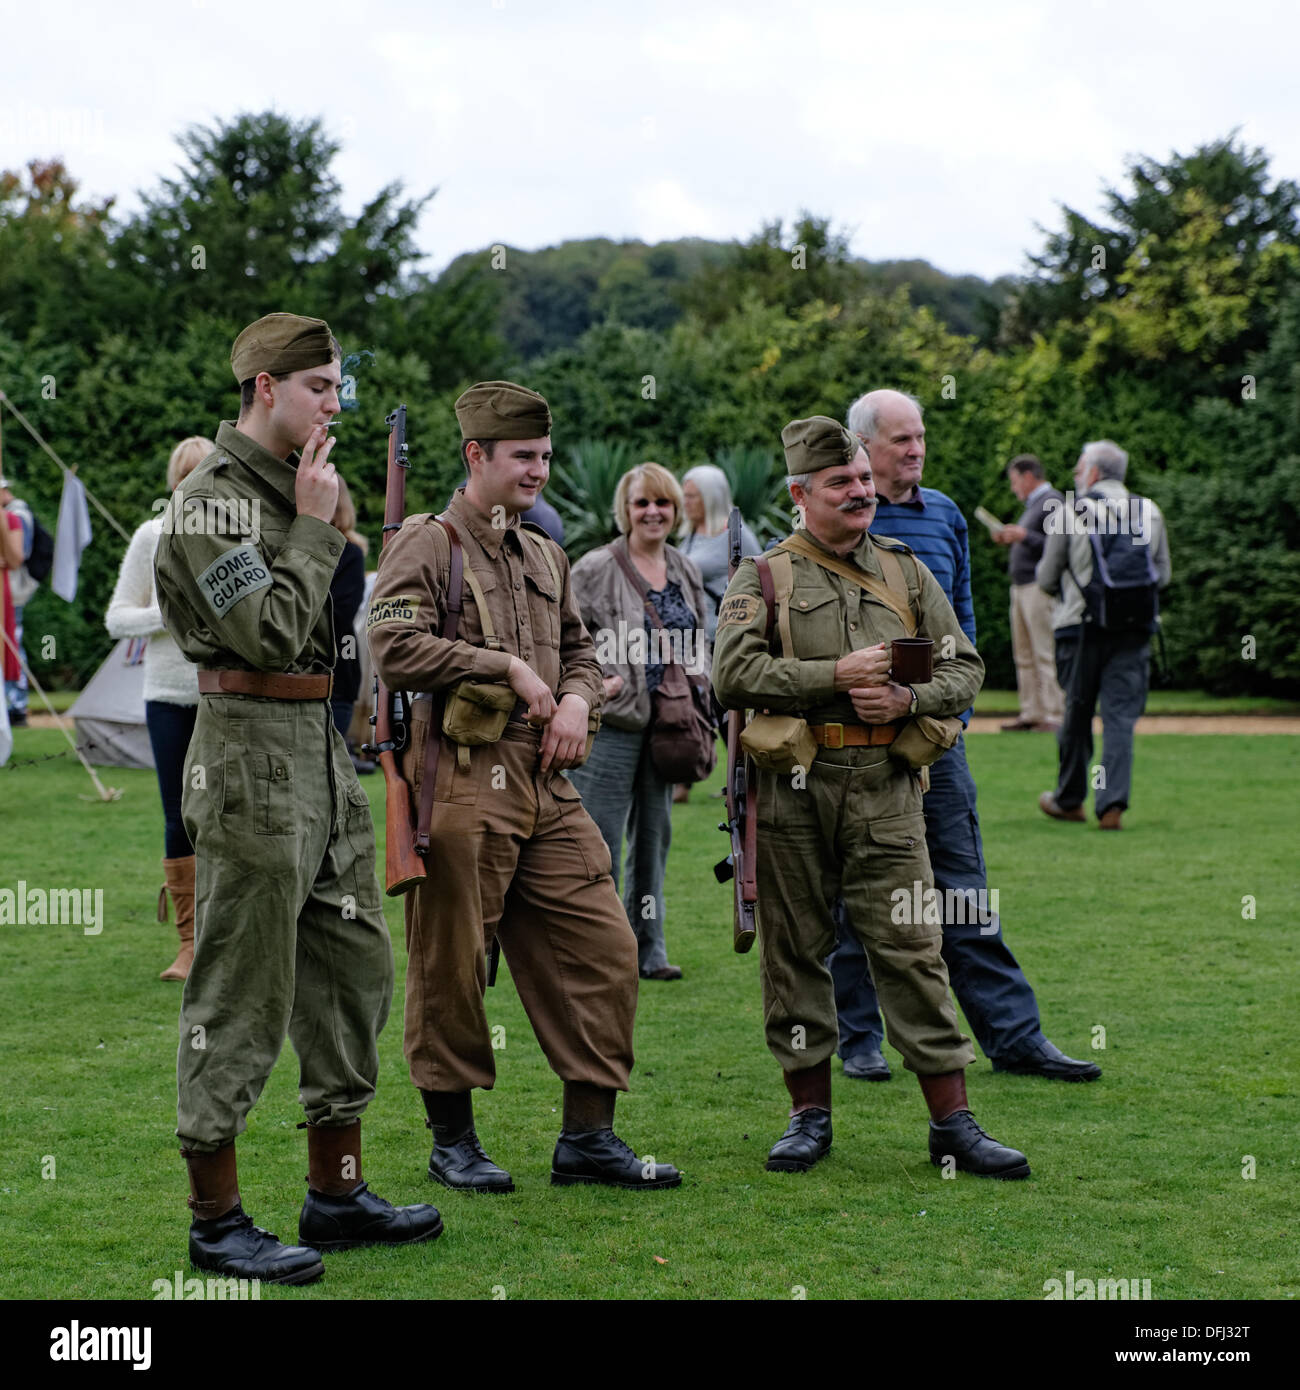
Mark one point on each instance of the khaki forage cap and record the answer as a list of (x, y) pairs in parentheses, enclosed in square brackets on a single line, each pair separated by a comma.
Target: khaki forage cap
[(279, 344), (502, 410), (816, 443)]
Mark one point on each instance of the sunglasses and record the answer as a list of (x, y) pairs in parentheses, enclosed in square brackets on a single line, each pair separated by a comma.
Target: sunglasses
[(642, 503)]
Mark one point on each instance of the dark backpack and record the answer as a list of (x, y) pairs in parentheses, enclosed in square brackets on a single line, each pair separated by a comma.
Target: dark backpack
[(41, 560), (1122, 596)]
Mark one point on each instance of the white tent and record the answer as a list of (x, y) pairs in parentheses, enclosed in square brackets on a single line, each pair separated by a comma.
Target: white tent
[(109, 712)]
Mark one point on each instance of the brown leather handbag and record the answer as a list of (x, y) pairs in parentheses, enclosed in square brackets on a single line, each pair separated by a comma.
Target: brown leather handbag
[(683, 739)]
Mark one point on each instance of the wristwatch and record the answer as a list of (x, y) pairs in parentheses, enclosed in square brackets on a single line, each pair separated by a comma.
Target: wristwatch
[(911, 709)]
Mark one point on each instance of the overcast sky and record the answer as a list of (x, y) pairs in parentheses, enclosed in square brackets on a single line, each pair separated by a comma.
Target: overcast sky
[(929, 129)]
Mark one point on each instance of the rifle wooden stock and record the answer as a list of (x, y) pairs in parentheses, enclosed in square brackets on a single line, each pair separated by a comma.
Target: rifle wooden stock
[(403, 867)]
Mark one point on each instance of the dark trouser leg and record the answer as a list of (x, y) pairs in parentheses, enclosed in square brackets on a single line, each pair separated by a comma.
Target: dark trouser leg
[(990, 986), (858, 1010), (1079, 672), (1125, 669), (170, 729)]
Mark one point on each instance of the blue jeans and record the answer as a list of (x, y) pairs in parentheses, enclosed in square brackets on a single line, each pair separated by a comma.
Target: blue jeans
[(16, 691), (170, 729), (622, 792), (990, 986)]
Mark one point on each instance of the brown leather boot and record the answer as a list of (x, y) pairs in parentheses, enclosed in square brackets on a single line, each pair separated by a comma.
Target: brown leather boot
[(214, 1182), (945, 1094), (223, 1238), (334, 1158), (180, 883), (810, 1089)]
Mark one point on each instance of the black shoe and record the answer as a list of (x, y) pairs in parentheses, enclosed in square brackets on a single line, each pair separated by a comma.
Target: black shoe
[(599, 1155), (1048, 1060), (867, 1066), (807, 1139), (464, 1167), (233, 1246), (361, 1218), (959, 1137), (17, 719)]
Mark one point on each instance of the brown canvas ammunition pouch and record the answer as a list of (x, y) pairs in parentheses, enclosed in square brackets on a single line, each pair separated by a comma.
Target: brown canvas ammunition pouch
[(477, 712), (779, 742), (924, 740)]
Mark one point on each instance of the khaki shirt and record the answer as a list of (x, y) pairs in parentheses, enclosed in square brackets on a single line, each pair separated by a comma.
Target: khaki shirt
[(829, 618), (530, 619), (243, 581)]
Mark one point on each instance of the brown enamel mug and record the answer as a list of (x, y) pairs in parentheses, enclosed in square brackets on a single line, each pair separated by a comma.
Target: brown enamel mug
[(912, 660)]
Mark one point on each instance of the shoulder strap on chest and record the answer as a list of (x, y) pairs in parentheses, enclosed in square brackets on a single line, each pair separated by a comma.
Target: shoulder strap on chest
[(893, 593), (455, 585)]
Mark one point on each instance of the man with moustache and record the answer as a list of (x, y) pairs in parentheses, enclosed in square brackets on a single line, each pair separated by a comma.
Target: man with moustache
[(513, 855), (805, 630), (289, 933), (990, 986)]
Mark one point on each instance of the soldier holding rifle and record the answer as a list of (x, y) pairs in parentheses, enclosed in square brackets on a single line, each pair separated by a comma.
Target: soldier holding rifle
[(475, 613), (805, 634), (289, 931)]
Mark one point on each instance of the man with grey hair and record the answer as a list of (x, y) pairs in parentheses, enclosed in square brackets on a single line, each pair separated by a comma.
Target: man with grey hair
[(990, 986), (1103, 563)]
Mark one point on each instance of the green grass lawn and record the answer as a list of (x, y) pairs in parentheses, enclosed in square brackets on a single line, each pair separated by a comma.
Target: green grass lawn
[(1137, 1176), (1005, 702)]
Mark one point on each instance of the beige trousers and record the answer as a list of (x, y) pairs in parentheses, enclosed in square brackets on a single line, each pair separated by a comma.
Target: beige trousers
[(1034, 649)]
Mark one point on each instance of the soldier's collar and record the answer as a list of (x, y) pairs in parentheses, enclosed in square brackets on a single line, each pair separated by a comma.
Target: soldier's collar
[(280, 473), (479, 524), (863, 555)]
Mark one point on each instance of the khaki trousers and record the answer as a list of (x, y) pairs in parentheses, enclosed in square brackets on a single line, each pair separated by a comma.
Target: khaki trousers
[(1034, 648), (289, 934), (854, 830), (513, 854)]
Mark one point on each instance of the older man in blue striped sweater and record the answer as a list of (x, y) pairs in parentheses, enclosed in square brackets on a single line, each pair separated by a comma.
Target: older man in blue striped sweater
[(989, 984)]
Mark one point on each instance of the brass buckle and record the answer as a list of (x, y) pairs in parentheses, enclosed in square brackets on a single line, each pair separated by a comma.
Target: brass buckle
[(839, 732)]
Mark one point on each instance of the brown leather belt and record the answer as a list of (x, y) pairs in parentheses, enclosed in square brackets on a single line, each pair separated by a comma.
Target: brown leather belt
[(266, 684), (853, 735)]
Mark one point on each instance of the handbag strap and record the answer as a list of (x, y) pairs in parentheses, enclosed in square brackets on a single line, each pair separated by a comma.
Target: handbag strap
[(639, 584), (433, 742)]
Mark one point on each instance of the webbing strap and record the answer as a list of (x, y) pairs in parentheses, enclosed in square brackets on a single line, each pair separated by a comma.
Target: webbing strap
[(887, 593), (433, 741)]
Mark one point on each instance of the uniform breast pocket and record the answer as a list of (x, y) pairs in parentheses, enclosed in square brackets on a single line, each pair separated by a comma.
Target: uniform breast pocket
[(543, 607), (817, 624), (273, 807)]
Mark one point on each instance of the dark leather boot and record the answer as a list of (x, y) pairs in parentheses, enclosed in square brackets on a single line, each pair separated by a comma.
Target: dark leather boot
[(954, 1133), (588, 1150), (341, 1212), (808, 1136), (223, 1240), (458, 1160)]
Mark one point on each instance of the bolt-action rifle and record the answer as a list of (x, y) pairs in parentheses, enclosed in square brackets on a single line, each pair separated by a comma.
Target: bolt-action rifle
[(403, 868), (741, 865)]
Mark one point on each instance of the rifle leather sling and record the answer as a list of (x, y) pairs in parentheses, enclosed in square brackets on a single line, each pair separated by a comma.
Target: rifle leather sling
[(433, 742)]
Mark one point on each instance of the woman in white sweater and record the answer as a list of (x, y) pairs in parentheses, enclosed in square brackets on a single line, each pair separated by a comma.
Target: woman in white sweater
[(171, 700)]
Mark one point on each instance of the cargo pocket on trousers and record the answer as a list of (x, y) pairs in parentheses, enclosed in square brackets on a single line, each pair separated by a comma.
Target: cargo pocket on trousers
[(902, 896), (359, 827), (273, 808), (582, 830)]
